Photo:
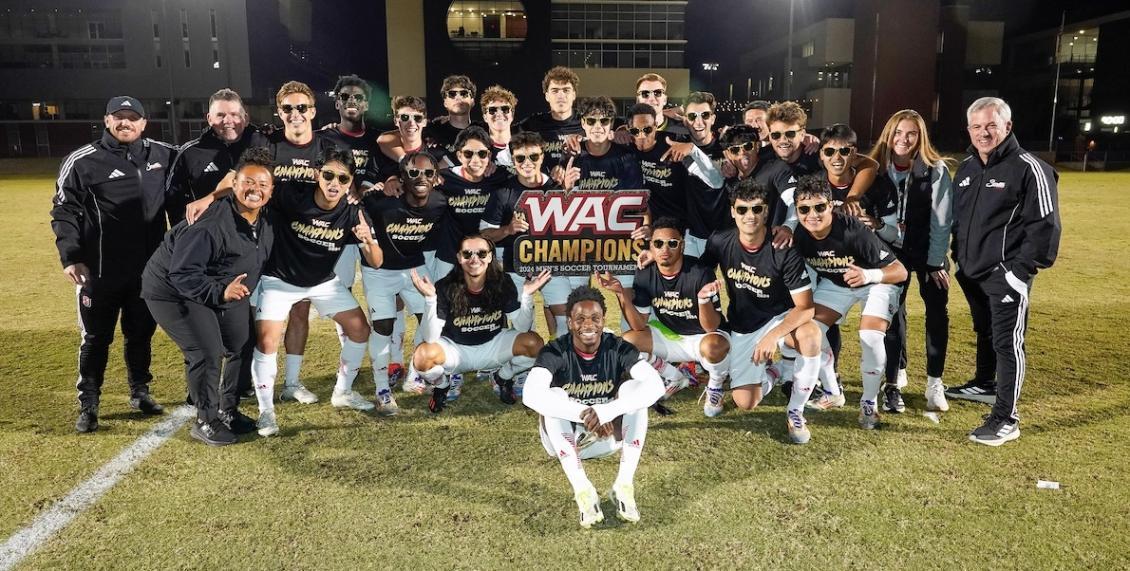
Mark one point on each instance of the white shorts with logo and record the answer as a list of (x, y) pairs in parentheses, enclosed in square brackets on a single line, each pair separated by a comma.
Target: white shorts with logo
[(879, 300), (440, 268), (590, 446), (743, 371), (679, 348), (490, 355), (346, 267), (277, 297), (382, 286)]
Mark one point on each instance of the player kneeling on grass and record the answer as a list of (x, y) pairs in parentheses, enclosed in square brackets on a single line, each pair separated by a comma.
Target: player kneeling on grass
[(671, 288), (465, 323), (853, 266), (310, 231), (588, 409)]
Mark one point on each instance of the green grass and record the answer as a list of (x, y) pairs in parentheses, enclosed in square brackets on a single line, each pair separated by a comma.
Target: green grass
[(472, 488)]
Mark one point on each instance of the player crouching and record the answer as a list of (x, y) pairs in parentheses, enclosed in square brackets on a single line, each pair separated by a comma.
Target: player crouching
[(588, 409), (465, 323)]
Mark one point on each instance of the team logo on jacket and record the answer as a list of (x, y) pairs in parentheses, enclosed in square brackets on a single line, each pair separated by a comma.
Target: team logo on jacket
[(86, 301), (211, 168), (117, 174), (994, 183), (964, 183)]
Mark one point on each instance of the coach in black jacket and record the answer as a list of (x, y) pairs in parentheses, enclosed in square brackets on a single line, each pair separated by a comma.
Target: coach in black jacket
[(108, 218), (1006, 228)]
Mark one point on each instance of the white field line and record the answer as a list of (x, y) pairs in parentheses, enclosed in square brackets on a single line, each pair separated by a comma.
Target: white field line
[(25, 541)]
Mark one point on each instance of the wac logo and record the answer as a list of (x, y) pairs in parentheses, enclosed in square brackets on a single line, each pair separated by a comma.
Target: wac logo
[(571, 213)]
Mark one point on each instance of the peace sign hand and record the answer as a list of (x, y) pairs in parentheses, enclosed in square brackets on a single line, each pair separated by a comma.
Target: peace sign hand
[(534, 283)]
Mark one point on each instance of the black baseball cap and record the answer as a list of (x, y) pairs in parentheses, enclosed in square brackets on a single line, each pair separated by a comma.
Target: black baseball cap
[(124, 102)]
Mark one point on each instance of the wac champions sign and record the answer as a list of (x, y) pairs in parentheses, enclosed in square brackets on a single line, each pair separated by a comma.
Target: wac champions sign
[(576, 233)]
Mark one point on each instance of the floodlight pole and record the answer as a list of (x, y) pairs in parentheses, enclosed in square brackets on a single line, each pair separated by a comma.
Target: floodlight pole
[(1055, 96), (789, 55)]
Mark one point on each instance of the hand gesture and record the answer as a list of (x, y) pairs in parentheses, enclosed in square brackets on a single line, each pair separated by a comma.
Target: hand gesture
[(392, 187), (592, 423), (811, 143), (870, 221), (518, 224), (677, 152), (643, 232), (236, 290), (854, 276), (764, 350), (534, 283), (573, 144), (644, 259), (851, 206), (710, 290), (729, 170), (621, 136), (423, 284), (570, 175), (609, 282), (782, 237), (362, 231), (941, 278), (78, 273), (197, 207)]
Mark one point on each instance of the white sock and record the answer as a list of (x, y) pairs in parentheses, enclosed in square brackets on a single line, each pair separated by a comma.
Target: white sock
[(293, 368), (872, 363), (560, 434), (666, 370), (787, 362), (352, 353), (803, 382), (396, 342), (562, 327), (634, 427), (931, 381), (517, 365), (828, 379), (264, 368), (432, 375), (378, 353), (341, 338)]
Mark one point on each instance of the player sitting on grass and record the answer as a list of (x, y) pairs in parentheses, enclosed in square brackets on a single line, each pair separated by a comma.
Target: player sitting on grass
[(592, 391)]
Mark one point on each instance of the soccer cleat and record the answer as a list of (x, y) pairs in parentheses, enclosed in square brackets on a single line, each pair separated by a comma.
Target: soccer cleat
[(213, 433), (145, 403), (396, 373), (589, 503), (624, 496), (413, 383), (520, 383), (351, 399), (505, 388), (936, 396), (87, 419), (455, 386), (892, 399), (675, 385), (439, 399), (826, 402), (386, 405), (798, 428), (715, 401), (268, 425), (980, 391), (995, 432), (237, 422), (690, 370), (298, 393), (868, 415)]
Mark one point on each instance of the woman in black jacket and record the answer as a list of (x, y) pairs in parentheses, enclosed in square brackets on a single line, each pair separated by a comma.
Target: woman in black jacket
[(197, 285)]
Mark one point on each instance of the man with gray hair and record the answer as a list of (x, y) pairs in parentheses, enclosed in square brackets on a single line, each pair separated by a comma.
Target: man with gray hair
[(1006, 228)]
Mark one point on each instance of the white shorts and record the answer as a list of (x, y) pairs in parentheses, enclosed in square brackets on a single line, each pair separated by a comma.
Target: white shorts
[(277, 297), (680, 349), (879, 300), (430, 261), (440, 269), (557, 291), (382, 286), (743, 371), (693, 246), (490, 355), (346, 267)]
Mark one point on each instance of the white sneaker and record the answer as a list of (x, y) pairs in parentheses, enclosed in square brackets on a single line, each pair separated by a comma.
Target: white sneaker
[(455, 386), (298, 393), (624, 496), (826, 402), (413, 383), (936, 396), (520, 383), (868, 415), (715, 400), (267, 424), (798, 428), (386, 405), (675, 385), (589, 503), (351, 399)]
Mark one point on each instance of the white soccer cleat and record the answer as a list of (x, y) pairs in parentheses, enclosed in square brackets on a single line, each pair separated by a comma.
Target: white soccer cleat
[(298, 393), (267, 424), (798, 428), (589, 503), (675, 385), (868, 415), (386, 404), (936, 396), (351, 399), (715, 400), (826, 402), (455, 386), (413, 383), (624, 496)]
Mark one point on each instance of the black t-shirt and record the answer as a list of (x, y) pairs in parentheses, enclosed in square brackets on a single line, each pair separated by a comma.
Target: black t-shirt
[(759, 283), (294, 164), (308, 240), (618, 169), (588, 381), (850, 242), (371, 164), (440, 136), (707, 208), (500, 212), (401, 230), (466, 203), (674, 300), (554, 133), (480, 321), (776, 176), (665, 180)]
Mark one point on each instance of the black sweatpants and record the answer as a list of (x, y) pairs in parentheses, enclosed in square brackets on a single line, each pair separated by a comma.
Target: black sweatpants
[(937, 328), (998, 304), (100, 304), (214, 343)]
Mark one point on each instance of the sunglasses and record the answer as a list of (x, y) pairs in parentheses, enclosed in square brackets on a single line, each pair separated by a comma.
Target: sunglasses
[(453, 93), (787, 134), (644, 93), (301, 108), (532, 157), (735, 149), (636, 132), (329, 175), (604, 121), (671, 243), (756, 209), (706, 115), (468, 254), (504, 109), (831, 151), (415, 118), (415, 173), (469, 154), (358, 97), (819, 208)]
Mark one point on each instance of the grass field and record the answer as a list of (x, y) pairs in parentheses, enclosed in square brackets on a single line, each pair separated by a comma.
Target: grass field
[(472, 488)]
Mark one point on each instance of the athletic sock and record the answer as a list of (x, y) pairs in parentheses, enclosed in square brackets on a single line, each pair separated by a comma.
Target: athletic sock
[(517, 365), (352, 353), (803, 382), (264, 368), (293, 368), (560, 434), (434, 376), (787, 363), (378, 353), (828, 379), (873, 362), (396, 342), (634, 429)]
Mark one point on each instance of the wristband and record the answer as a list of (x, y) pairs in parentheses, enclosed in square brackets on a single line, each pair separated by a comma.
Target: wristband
[(873, 276), (705, 300)]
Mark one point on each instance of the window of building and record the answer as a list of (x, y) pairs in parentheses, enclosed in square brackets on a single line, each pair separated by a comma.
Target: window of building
[(808, 49), (96, 30), (487, 19), (215, 56), (157, 54), (184, 23), (156, 24)]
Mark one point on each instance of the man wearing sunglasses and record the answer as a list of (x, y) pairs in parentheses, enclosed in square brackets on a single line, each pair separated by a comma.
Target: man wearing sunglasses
[(499, 106), (465, 323), (403, 226), (853, 266), (702, 197), (651, 89), (745, 160), (458, 93), (560, 87), (410, 117), (670, 289)]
